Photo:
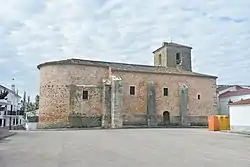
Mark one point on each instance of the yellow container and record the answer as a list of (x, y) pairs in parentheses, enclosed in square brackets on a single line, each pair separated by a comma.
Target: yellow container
[(224, 122)]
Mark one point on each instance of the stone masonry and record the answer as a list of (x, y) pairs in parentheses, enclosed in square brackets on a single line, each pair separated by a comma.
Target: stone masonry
[(190, 97)]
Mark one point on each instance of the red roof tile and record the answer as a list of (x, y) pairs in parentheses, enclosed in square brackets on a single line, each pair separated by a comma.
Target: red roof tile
[(246, 101), (238, 92)]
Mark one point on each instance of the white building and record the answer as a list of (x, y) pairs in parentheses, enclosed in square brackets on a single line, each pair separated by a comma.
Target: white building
[(230, 95), (240, 116), (10, 114)]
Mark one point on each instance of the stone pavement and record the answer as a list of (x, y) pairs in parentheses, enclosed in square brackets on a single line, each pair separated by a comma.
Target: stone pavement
[(125, 148)]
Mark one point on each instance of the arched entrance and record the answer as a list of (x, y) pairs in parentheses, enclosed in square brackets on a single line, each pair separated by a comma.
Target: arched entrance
[(166, 117)]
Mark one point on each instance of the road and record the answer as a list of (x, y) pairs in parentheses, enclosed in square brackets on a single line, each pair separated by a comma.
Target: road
[(125, 148)]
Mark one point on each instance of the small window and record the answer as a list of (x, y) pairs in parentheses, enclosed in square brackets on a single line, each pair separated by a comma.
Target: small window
[(132, 90), (178, 58), (165, 91), (199, 97), (85, 95), (159, 59)]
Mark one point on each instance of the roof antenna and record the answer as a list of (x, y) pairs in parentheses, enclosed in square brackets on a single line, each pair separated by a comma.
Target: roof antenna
[(171, 40)]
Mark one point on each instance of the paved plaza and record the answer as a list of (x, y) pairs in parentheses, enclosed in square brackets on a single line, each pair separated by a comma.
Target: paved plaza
[(125, 148)]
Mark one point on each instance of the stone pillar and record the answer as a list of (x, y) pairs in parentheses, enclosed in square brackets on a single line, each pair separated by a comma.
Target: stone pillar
[(151, 105), (183, 94), (106, 104), (116, 102)]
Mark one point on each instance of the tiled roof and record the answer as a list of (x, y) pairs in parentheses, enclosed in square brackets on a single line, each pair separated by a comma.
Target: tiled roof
[(242, 102), (236, 93), (172, 44), (223, 87), (126, 67)]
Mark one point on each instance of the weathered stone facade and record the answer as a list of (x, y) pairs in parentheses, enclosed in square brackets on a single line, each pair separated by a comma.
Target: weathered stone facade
[(190, 97)]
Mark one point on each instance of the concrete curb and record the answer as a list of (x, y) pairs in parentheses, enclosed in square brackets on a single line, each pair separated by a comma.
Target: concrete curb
[(9, 134), (235, 132), (125, 127), (241, 133)]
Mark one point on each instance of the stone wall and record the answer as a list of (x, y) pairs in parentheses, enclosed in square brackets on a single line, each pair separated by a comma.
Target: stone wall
[(164, 60), (168, 57), (196, 108), (185, 56), (85, 112), (53, 106), (55, 81), (61, 103)]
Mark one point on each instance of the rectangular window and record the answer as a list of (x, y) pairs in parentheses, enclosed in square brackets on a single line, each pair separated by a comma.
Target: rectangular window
[(160, 59), (165, 91), (85, 95), (132, 90)]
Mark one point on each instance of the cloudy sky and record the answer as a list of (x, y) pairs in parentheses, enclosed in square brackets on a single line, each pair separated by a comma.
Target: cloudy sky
[(34, 31)]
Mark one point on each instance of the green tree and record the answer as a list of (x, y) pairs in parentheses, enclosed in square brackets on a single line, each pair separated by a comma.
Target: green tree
[(30, 106), (37, 102)]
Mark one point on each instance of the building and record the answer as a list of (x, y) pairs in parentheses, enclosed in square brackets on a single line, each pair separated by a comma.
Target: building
[(230, 95), (10, 114), (32, 119), (226, 88), (76, 93), (240, 116)]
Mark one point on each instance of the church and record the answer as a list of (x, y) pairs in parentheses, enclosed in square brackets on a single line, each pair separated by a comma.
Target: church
[(86, 93)]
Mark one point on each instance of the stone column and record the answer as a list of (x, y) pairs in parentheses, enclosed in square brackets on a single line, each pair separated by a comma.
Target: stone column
[(106, 104), (116, 102), (183, 94), (151, 105)]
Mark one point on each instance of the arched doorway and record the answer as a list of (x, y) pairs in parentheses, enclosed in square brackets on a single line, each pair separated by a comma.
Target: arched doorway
[(166, 117)]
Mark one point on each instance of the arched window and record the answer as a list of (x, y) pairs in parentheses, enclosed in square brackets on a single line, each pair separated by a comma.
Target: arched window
[(178, 58)]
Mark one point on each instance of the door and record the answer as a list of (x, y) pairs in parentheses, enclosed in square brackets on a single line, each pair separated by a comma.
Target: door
[(166, 118)]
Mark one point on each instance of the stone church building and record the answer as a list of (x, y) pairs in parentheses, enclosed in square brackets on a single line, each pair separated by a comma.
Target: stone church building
[(86, 93)]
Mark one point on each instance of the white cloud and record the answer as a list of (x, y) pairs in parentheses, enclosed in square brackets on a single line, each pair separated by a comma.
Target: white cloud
[(128, 31)]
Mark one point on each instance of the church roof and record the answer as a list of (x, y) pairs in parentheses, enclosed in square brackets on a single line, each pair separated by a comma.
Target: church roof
[(172, 44), (126, 67)]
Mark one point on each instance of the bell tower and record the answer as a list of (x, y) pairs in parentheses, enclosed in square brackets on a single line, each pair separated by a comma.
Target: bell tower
[(173, 55)]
